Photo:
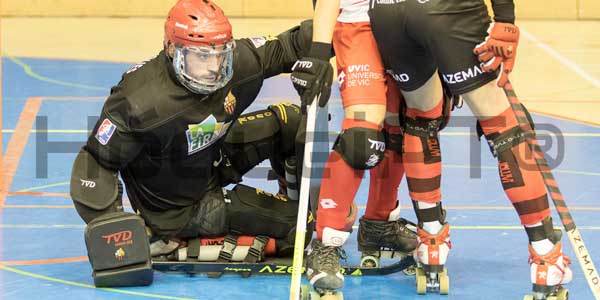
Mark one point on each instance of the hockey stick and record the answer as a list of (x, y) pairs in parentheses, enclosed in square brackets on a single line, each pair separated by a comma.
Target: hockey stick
[(584, 258), (307, 163), (270, 267)]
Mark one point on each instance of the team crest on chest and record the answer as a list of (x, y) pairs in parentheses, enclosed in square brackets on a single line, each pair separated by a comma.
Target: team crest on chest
[(205, 133), (229, 103)]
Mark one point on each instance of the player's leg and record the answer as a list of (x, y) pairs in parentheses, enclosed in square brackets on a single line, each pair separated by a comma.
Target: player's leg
[(413, 66), (522, 183), (422, 162), (252, 223), (359, 146), (244, 211), (254, 137), (255, 212), (260, 135), (520, 176), (381, 227)]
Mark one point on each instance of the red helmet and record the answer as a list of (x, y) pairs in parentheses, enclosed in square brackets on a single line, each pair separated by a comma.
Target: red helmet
[(203, 45), (197, 23)]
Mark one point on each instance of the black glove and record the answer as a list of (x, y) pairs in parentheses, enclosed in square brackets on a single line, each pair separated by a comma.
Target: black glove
[(312, 75)]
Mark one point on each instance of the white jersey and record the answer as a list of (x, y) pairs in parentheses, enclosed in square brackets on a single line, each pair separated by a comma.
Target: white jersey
[(352, 11)]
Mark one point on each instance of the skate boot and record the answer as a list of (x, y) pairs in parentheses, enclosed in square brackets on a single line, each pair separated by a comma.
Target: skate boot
[(163, 246), (385, 239), (323, 268), (548, 273), (431, 254)]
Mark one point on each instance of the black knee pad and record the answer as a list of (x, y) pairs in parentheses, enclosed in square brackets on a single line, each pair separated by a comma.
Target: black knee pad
[(496, 136), (423, 127), (361, 148), (256, 212), (256, 136), (500, 143), (428, 132), (118, 250)]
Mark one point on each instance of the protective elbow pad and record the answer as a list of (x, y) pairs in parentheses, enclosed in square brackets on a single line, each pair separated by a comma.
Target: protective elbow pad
[(92, 184), (94, 189)]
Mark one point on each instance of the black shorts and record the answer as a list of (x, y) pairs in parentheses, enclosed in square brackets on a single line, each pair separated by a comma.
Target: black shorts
[(416, 37)]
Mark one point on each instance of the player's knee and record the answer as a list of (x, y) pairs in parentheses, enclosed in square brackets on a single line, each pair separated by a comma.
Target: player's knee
[(427, 130), (361, 148), (423, 127), (501, 143), (118, 250)]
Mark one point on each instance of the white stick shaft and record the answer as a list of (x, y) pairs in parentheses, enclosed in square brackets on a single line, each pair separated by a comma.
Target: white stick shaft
[(585, 261), (303, 204)]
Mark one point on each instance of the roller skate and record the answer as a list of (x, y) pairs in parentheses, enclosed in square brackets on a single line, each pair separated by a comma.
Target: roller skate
[(431, 254), (548, 273), (385, 239), (323, 268)]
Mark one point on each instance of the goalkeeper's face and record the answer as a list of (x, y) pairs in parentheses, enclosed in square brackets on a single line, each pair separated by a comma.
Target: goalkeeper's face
[(204, 69)]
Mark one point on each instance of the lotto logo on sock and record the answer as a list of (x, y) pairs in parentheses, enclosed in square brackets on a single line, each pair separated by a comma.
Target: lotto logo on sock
[(327, 203)]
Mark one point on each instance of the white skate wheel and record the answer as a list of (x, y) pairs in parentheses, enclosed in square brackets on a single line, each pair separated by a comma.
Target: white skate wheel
[(563, 294), (369, 261), (421, 282), (305, 292), (444, 283), (528, 297), (182, 254), (314, 296), (333, 296)]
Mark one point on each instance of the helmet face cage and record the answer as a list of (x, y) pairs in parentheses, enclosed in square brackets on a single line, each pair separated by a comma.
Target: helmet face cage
[(204, 69)]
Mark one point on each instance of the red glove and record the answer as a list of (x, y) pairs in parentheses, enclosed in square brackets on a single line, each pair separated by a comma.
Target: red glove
[(499, 47)]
